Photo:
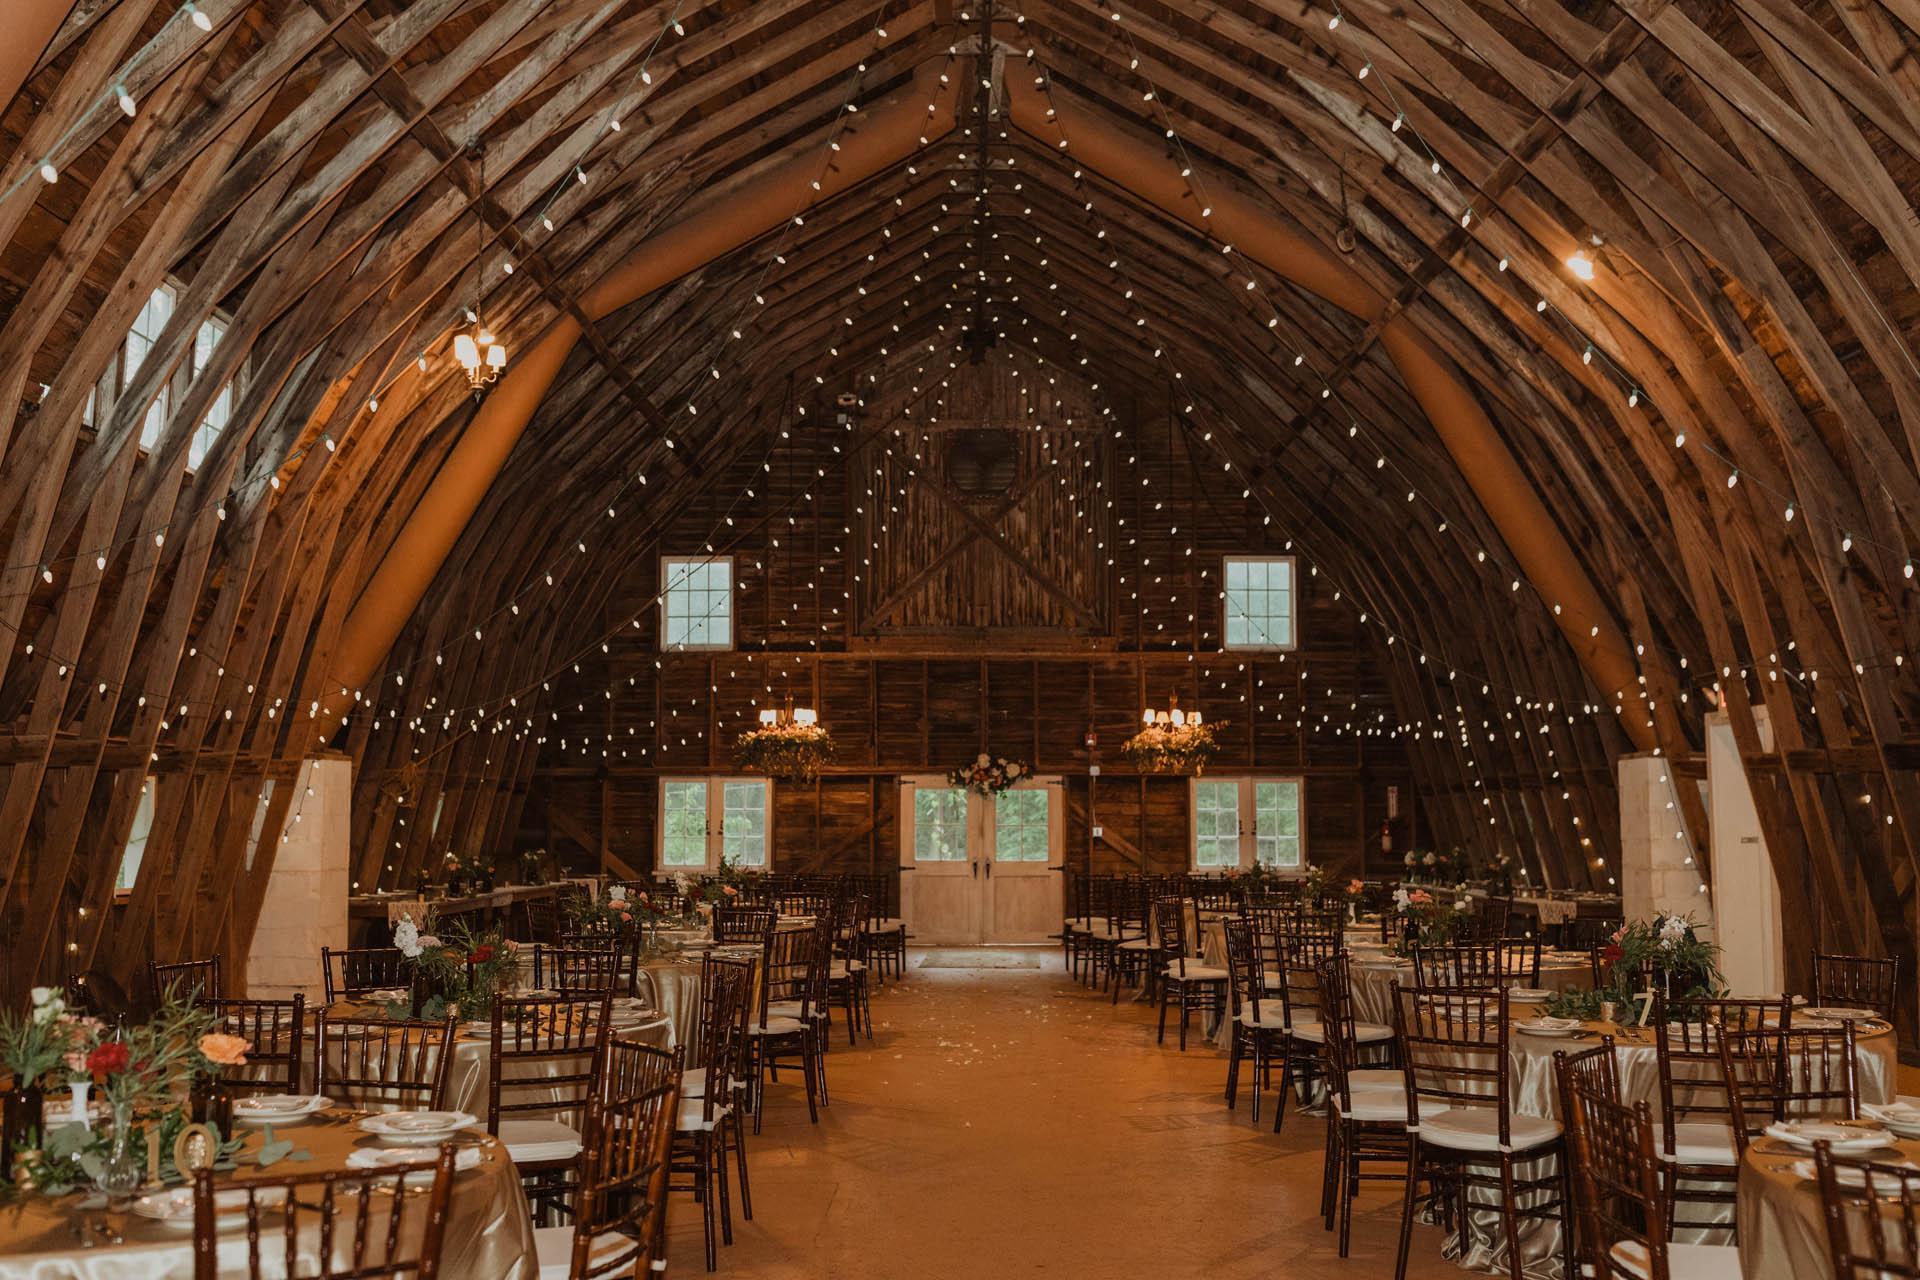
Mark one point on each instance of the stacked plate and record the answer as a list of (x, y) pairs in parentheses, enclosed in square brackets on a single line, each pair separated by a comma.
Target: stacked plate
[(1553, 1027), (416, 1128), (1847, 1137), (1529, 995), (417, 1158), (1902, 1115), (278, 1108), (1836, 1014), (174, 1208)]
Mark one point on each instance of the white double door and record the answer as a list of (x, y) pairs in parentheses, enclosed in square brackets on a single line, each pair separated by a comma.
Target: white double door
[(981, 869)]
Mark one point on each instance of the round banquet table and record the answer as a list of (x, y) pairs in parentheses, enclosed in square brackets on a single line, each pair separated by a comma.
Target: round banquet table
[(1783, 1234), (1373, 971), (473, 1055), (671, 983), (489, 1231), (1534, 1092)]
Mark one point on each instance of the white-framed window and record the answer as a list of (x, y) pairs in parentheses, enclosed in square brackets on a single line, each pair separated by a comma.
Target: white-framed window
[(696, 602), (1241, 822), (136, 849), (1258, 601), (1020, 825), (705, 820), (141, 339), (939, 824)]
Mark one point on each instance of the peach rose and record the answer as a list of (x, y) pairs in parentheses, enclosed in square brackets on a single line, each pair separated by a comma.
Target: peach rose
[(224, 1050)]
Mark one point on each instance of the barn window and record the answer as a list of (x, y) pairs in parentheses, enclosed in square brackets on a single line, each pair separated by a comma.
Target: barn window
[(1238, 822), (706, 820), (696, 602), (1259, 602), (136, 848), (141, 340)]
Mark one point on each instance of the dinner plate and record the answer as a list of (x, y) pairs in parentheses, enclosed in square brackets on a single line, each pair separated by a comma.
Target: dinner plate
[(174, 1207), (1529, 995), (1553, 1027), (278, 1108), (419, 1159), (416, 1128), (1845, 1138), (1837, 1013)]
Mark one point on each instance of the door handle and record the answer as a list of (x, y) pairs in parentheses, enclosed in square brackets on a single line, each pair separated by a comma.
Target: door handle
[(976, 869), (989, 871)]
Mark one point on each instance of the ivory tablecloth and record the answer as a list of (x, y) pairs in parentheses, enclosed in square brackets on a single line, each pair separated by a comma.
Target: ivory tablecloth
[(1783, 1235), (489, 1233)]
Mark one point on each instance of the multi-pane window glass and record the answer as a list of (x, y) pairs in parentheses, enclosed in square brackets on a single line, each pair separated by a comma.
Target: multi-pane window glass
[(137, 841), (704, 821), (1276, 823), (1216, 824), (218, 413), (683, 824), (696, 603), (1259, 603), (141, 339), (1238, 822), (1020, 825), (939, 824)]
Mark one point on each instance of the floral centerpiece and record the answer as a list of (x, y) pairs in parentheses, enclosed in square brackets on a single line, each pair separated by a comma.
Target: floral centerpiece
[(467, 970), (1427, 921), (1496, 871), (1664, 954), (988, 775), (1172, 748), (1435, 866), (792, 750)]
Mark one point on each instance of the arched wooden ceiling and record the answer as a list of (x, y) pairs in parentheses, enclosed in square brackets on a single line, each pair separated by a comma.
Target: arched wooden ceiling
[(1740, 175)]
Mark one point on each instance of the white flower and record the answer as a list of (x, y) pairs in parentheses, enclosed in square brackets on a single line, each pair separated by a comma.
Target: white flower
[(1401, 898), (406, 936), (47, 1005), (1673, 931), (983, 760), (1410, 858), (1013, 770), (1430, 860)]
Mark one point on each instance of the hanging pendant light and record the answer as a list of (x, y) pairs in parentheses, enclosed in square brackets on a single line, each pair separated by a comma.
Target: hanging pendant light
[(479, 352)]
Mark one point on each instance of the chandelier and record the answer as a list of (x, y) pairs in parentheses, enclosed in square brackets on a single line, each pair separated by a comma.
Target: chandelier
[(789, 743), (774, 718), (1171, 717), (481, 354), (1171, 741)]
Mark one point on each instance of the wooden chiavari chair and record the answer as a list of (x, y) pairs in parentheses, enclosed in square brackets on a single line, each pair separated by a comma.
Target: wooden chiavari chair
[(1366, 1107), (792, 1014), (1802, 1074), (619, 1216), (847, 974), (1856, 981), (195, 980), (1872, 1220), (1182, 973), (1697, 1141), (701, 1123), (385, 1064), (1490, 962), (1136, 953), (583, 970), (332, 1208), (540, 1076), (359, 971), (1617, 1190), (274, 1029), (1259, 1021), (1464, 1135), (1303, 959)]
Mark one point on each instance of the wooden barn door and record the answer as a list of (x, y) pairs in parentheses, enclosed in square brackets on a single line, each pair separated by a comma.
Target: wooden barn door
[(1020, 877), (980, 869)]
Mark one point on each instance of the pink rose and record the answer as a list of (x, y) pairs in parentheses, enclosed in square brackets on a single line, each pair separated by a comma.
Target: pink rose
[(224, 1050)]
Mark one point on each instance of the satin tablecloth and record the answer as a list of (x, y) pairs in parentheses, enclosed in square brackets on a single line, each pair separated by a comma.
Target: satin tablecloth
[(489, 1233), (1783, 1235), (1534, 1092), (1373, 973)]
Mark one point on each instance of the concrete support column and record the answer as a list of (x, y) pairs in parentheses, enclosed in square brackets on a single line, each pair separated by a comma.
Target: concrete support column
[(1746, 897), (305, 907), (1657, 872)]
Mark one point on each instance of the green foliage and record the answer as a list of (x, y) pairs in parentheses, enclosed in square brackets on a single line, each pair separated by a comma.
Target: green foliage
[(1165, 748), (793, 751)]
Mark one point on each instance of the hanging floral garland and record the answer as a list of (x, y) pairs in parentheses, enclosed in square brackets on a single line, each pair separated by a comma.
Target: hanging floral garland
[(988, 775), (1172, 748), (792, 750)]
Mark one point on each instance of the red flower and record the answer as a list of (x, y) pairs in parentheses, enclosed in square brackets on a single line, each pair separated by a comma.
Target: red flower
[(1611, 953), (108, 1058), (480, 954)]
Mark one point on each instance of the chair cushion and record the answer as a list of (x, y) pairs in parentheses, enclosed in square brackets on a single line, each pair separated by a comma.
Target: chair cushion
[(1376, 1078), (1684, 1261), (1376, 1106), (528, 1141), (693, 1117), (1196, 972), (1478, 1129), (1273, 1017), (1137, 944), (892, 924), (776, 1026), (1363, 1032), (553, 1247), (1702, 1143)]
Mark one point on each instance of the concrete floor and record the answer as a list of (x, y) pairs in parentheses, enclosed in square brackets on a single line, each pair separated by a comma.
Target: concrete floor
[(1007, 1122)]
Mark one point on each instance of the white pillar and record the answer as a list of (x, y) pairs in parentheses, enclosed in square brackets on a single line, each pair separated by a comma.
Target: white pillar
[(306, 901), (1657, 873), (1746, 897)]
